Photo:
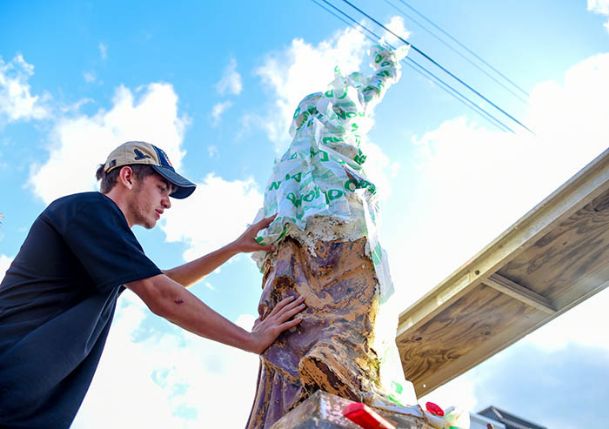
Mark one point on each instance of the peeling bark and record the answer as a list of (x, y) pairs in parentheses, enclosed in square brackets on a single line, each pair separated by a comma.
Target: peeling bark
[(331, 349)]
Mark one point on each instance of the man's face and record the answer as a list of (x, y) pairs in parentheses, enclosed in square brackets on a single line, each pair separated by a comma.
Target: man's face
[(150, 199)]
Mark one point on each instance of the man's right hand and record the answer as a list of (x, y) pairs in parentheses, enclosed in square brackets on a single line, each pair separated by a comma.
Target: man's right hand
[(266, 330), (170, 300)]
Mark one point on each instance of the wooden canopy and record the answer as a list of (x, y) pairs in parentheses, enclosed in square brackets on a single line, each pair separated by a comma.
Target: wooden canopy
[(553, 258)]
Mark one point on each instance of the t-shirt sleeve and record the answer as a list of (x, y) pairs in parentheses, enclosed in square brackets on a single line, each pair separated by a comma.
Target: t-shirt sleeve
[(99, 236)]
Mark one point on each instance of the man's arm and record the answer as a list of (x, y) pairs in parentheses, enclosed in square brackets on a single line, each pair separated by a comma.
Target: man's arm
[(168, 299), (193, 271)]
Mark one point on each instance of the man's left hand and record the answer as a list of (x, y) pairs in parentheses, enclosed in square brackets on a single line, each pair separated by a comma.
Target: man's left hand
[(247, 241)]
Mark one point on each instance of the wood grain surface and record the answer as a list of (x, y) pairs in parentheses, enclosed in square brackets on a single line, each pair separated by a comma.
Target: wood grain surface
[(563, 262), (564, 267)]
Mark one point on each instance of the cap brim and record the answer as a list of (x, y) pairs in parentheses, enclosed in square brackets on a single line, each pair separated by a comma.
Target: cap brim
[(184, 187)]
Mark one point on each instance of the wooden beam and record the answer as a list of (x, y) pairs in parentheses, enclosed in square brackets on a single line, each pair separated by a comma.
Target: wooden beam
[(519, 292), (447, 311), (582, 188)]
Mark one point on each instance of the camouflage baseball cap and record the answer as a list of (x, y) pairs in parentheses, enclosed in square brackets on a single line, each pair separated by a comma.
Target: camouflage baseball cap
[(143, 153)]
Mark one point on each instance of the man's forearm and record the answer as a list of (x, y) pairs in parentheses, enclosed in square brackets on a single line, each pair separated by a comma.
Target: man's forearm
[(170, 300), (193, 271)]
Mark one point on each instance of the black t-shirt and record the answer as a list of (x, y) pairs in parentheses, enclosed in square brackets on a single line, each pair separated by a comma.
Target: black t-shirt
[(57, 301)]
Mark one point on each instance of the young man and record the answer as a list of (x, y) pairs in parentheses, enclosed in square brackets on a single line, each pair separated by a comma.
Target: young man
[(58, 297)]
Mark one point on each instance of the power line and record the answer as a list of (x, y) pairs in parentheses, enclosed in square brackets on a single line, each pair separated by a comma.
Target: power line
[(441, 67), (376, 36), (485, 72), (460, 97), (471, 52), (419, 69)]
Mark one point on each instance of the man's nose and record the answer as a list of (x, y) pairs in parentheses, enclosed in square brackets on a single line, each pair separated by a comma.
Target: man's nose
[(166, 202)]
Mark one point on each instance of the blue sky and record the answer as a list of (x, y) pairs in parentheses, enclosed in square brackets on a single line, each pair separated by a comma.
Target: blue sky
[(215, 85)]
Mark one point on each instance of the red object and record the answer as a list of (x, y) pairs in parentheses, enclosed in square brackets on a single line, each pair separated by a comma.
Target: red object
[(365, 417), (434, 409)]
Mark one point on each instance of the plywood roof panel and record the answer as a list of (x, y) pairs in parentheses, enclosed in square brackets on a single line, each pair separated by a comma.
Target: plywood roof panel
[(553, 258)]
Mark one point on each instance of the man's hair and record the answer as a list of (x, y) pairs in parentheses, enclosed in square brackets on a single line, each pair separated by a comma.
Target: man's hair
[(108, 180)]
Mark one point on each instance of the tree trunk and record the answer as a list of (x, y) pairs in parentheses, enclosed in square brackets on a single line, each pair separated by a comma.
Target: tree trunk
[(331, 349)]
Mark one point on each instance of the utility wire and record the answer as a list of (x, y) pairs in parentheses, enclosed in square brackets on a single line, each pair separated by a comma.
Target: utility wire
[(460, 97), (471, 52), (485, 72), (441, 67), (409, 61), (372, 36), (353, 21), (421, 70)]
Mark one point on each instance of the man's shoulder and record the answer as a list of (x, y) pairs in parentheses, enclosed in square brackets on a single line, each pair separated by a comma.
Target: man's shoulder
[(84, 203), (81, 197), (80, 200)]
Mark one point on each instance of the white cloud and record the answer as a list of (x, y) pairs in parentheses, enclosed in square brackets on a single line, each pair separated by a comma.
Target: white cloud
[(103, 51), (379, 169), (246, 321), (218, 110), (577, 326), (212, 151), (78, 145), (89, 77), (178, 379), (74, 108), (128, 365), (396, 25), (600, 7), (5, 262), (217, 213), (302, 69), (473, 183), (16, 99), (231, 80), (574, 109)]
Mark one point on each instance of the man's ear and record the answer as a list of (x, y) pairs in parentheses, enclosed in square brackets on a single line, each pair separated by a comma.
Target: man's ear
[(126, 177)]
